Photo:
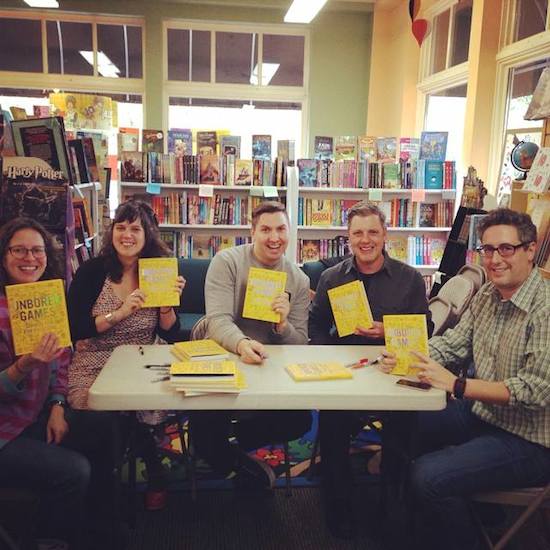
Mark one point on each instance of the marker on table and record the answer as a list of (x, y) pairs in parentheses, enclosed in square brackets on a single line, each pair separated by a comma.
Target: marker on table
[(377, 360), (358, 364)]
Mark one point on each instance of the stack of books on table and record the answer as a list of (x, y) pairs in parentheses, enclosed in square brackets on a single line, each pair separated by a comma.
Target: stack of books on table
[(204, 368)]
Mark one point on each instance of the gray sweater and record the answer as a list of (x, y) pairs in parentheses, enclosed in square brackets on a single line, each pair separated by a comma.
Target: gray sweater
[(224, 293)]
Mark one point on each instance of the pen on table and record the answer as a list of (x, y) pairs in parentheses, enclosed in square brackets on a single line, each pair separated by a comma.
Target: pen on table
[(357, 364), (140, 349), (161, 379), (158, 367), (377, 360)]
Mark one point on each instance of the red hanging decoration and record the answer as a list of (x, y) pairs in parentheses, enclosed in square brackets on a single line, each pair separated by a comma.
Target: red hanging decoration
[(420, 30)]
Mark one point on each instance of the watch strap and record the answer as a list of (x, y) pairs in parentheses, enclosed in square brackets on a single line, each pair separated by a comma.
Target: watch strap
[(459, 387)]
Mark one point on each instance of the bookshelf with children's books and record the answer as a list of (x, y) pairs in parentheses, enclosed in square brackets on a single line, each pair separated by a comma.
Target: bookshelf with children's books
[(418, 197)]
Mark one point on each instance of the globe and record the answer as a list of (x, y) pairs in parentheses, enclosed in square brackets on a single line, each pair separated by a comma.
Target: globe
[(522, 156)]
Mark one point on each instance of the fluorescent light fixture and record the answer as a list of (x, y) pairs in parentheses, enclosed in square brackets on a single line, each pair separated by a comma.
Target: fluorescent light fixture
[(268, 72), (105, 67), (303, 11), (42, 3)]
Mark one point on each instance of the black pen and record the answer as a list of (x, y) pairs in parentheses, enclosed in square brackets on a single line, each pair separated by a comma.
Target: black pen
[(140, 349), (161, 379), (377, 360), (157, 367)]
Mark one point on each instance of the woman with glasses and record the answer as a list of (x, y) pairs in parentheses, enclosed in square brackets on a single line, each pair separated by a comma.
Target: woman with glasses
[(33, 387), (105, 311)]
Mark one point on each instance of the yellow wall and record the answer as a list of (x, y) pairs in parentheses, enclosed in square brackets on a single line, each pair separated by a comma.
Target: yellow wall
[(394, 72)]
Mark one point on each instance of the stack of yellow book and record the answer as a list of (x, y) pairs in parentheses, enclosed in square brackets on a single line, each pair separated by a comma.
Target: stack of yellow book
[(302, 372), (206, 377), (199, 350)]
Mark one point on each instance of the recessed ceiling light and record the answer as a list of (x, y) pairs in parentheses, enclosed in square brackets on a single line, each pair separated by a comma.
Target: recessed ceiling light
[(303, 11), (42, 3)]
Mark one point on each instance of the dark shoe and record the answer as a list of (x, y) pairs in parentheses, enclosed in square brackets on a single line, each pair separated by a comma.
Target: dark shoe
[(253, 474), (339, 518), (155, 500)]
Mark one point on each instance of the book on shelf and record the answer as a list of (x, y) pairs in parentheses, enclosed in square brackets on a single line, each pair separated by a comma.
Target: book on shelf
[(131, 167), (36, 309), (18, 113), (538, 207), (41, 111), (323, 148), (396, 247), (318, 371), (386, 149), (473, 237), (199, 350), (286, 151), (230, 145), (261, 147), (310, 251), (127, 140), (262, 287), (96, 150), (307, 172), (244, 169), (390, 175), (207, 142), (538, 177), (43, 138), (157, 280), (433, 145), (367, 148), (152, 141), (404, 334), (321, 212), (427, 214), (409, 149), (345, 148), (79, 163), (81, 206), (180, 141), (201, 247), (210, 169), (350, 307)]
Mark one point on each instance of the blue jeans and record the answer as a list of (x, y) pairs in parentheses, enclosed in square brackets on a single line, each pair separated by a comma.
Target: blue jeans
[(472, 456), (58, 475)]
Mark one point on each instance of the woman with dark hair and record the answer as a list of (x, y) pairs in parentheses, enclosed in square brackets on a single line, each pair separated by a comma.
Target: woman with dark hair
[(33, 389), (105, 311)]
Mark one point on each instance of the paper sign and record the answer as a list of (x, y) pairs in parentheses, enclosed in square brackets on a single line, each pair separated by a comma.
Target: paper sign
[(153, 188), (270, 191), (375, 194), (418, 195), (256, 191), (448, 194), (206, 190)]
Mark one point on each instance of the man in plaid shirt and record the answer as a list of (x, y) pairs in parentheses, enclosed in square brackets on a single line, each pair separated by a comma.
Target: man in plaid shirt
[(495, 432)]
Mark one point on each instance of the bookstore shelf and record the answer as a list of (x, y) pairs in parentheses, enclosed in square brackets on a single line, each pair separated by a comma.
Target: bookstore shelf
[(208, 226), (450, 193), (168, 186), (403, 229)]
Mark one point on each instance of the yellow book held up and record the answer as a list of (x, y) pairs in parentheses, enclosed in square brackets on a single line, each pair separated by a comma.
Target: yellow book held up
[(302, 372), (350, 307), (403, 334), (199, 350), (37, 309), (157, 279), (263, 286)]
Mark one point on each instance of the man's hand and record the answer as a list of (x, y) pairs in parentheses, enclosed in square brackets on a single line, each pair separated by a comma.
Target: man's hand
[(375, 332), (251, 351), (281, 305), (433, 373), (388, 362), (57, 427)]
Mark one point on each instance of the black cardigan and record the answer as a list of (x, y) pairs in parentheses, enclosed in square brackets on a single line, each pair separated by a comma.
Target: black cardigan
[(83, 293)]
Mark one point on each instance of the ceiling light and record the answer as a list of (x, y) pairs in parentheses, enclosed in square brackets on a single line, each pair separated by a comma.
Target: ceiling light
[(105, 67), (42, 3), (268, 72), (303, 11)]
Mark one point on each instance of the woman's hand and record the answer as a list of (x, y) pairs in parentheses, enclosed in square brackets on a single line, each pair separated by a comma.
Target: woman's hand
[(133, 302), (388, 362), (45, 351), (57, 426), (180, 284)]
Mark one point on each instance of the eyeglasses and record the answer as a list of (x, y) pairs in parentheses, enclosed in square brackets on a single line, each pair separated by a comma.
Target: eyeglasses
[(504, 250), (20, 252)]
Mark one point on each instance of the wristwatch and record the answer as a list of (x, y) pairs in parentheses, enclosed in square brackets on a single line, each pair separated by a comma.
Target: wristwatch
[(459, 387), (110, 318), (57, 402)]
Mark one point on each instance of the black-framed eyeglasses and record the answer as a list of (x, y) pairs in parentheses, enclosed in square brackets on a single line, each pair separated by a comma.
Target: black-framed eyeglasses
[(20, 252), (504, 250)]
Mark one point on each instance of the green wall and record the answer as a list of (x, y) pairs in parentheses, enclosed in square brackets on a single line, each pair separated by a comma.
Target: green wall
[(339, 62)]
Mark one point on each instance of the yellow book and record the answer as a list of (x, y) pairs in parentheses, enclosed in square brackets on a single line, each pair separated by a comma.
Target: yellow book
[(302, 372), (36, 309), (157, 279), (263, 286), (210, 383), (403, 334), (321, 212), (199, 350), (350, 307), (203, 369)]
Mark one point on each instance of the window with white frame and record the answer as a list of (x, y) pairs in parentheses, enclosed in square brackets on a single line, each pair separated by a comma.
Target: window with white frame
[(450, 36), (530, 18)]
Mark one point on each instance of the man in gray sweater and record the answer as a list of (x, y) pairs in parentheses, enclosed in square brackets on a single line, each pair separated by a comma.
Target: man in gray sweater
[(225, 290)]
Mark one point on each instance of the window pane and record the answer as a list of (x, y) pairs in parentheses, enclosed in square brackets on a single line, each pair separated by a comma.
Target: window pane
[(283, 57), (20, 45), (65, 42), (180, 42), (441, 35), (236, 57), (280, 120), (461, 32), (530, 17), (120, 43)]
